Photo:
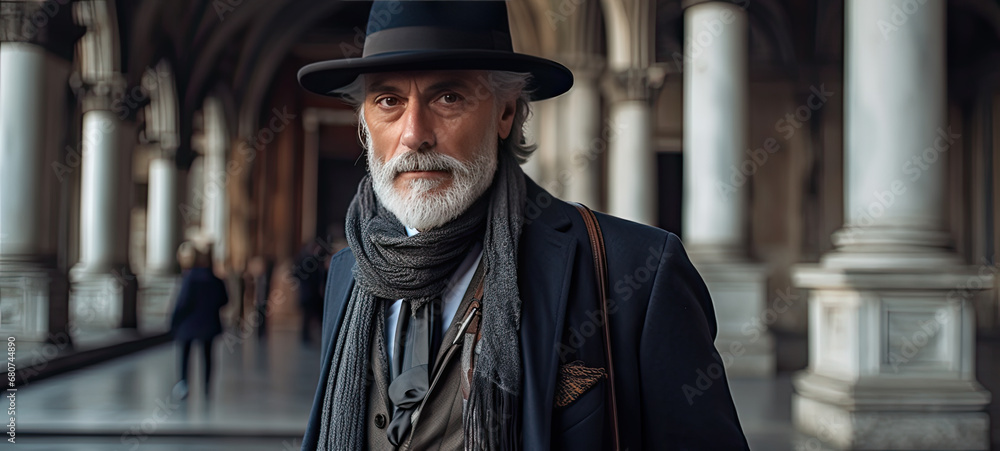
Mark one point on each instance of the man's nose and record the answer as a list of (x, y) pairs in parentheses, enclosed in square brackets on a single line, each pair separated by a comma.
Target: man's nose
[(418, 132)]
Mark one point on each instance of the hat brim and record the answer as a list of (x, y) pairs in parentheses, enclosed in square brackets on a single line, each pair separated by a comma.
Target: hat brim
[(549, 78)]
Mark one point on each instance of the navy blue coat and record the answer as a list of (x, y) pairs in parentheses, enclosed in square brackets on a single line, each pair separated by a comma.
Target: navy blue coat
[(662, 325), (196, 313)]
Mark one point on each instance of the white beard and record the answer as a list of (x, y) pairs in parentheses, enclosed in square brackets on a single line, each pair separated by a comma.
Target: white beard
[(415, 205)]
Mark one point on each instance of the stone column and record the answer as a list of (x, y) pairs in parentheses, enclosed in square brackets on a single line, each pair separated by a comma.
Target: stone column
[(163, 207), (104, 291), (215, 221), (634, 82), (28, 276), (545, 131), (892, 328), (162, 223), (161, 216), (632, 183), (104, 288), (581, 117), (715, 138)]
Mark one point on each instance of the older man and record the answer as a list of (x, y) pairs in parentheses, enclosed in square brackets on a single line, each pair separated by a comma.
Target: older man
[(466, 313)]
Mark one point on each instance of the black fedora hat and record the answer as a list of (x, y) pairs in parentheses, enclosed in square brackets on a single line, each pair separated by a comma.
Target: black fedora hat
[(437, 35)]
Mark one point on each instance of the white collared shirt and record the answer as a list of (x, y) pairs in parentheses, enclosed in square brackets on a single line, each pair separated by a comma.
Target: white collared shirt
[(451, 298)]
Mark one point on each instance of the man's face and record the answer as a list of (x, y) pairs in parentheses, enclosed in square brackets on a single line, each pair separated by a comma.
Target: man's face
[(433, 141)]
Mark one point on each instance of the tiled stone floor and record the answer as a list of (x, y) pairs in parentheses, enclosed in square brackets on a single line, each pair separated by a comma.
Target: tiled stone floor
[(262, 392), (260, 401)]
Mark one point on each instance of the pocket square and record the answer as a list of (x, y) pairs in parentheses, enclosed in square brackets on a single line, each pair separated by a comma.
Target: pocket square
[(574, 380)]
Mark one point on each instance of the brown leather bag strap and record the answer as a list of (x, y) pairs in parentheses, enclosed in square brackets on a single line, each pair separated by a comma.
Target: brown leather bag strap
[(601, 271)]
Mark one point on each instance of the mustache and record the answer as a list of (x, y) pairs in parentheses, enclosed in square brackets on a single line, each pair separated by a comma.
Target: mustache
[(423, 161)]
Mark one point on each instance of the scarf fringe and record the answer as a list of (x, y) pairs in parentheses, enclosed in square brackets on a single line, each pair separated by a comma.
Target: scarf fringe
[(496, 428)]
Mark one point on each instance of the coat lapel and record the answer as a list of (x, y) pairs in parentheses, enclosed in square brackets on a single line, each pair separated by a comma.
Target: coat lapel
[(342, 281), (545, 271)]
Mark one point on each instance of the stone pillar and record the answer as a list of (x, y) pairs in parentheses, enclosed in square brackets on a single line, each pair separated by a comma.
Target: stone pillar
[(162, 223), (715, 138), (545, 131), (28, 275), (581, 117), (891, 321), (161, 216), (103, 295), (632, 183), (634, 82), (215, 221), (163, 207)]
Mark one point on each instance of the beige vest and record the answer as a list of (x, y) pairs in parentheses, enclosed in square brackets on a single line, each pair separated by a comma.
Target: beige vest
[(437, 424)]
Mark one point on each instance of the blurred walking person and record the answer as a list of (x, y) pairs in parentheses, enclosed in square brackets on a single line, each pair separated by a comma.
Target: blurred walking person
[(196, 313), (310, 269), (261, 268)]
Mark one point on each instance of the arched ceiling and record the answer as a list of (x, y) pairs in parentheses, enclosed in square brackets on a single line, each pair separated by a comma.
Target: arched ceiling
[(212, 44)]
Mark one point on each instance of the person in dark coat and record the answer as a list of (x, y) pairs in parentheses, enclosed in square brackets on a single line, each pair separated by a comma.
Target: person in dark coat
[(466, 312), (261, 269), (196, 315), (310, 273)]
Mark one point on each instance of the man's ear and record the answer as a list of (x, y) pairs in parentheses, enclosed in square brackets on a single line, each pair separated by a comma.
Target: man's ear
[(506, 118)]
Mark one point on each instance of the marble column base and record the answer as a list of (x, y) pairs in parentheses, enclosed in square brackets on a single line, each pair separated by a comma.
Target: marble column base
[(891, 359), (899, 415), (102, 301), (26, 291), (739, 295), (156, 301)]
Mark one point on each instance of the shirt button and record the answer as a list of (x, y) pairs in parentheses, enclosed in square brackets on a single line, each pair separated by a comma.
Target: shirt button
[(380, 421)]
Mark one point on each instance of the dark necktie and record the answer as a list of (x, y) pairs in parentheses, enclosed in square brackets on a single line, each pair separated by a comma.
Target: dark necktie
[(418, 336)]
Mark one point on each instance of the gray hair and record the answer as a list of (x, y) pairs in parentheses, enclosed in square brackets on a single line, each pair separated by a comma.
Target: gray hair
[(502, 84)]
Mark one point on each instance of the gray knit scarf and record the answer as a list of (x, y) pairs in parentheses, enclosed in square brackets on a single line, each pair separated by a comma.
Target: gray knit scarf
[(391, 265)]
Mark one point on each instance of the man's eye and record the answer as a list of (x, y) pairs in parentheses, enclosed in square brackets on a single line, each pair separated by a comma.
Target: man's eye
[(387, 102), (450, 98)]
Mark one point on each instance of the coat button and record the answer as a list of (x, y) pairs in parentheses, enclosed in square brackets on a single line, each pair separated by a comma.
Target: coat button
[(380, 421)]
